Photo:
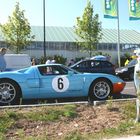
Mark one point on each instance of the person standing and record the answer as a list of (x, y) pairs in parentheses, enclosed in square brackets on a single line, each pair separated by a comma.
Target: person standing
[(50, 61), (33, 61), (2, 59), (71, 62)]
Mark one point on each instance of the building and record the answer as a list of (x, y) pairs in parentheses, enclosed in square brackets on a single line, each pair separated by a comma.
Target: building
[(61, 41)]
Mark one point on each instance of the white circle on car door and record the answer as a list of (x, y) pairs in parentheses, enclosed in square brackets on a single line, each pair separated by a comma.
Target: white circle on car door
[(60, 84)]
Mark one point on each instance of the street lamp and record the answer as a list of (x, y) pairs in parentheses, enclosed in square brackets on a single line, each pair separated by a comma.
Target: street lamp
[(44, 24)]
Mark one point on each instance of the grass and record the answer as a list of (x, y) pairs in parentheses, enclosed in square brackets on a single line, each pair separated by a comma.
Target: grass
[(52, 114), (6, 122), (74, 136), (9, 117), (122, 129)]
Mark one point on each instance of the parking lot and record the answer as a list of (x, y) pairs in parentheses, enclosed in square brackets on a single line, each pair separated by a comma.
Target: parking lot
[(129, 90)]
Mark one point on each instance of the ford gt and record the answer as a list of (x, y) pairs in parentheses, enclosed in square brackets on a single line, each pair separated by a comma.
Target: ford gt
[(48, 81)]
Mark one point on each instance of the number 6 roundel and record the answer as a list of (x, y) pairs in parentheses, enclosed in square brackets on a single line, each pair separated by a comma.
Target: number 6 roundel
[(60, 84)]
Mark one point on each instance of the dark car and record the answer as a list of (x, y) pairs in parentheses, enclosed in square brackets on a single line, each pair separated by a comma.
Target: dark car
[(94, 66), (127, 72)]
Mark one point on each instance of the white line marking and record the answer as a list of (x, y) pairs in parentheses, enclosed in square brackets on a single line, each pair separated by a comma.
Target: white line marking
[(129, 88)]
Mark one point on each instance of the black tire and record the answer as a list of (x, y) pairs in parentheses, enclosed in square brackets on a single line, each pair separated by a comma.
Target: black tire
[(9, 93), (101, 89)]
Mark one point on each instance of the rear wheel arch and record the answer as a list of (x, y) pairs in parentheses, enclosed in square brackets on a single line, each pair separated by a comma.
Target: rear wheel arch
[(11, 80), (90, 93), (15, 84)]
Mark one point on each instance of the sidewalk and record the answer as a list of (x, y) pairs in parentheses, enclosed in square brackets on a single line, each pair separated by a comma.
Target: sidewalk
[(126, 138)]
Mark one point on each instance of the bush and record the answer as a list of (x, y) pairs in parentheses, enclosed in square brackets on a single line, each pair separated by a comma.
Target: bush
[(60, 59)]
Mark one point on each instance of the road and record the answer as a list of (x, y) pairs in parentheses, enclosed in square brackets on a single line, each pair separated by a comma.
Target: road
[(129, 90)]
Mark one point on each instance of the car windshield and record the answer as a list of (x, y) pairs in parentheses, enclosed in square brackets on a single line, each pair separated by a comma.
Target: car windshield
[(132, 62)]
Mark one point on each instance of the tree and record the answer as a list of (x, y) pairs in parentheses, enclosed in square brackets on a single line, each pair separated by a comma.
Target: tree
[(88, 28), (17, 31)]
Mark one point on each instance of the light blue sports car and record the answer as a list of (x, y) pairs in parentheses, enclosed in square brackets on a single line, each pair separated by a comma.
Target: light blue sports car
[(56, 81)]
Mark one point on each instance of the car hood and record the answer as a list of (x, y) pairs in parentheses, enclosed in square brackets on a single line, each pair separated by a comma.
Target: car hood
[(120, 68)]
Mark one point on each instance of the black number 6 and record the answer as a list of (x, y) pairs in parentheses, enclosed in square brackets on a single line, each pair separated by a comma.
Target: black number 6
[(60, 83)]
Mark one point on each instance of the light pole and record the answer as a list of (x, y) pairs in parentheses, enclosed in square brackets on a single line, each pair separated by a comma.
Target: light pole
[(118, 36), (44, 24)]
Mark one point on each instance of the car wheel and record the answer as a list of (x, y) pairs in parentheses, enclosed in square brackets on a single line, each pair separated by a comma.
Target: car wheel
[(101, 89), (9, 93)]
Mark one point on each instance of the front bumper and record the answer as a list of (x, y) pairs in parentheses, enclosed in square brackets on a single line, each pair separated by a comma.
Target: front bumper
[(118, 87)]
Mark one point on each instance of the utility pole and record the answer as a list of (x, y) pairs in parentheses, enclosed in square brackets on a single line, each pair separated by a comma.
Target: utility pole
[(44, 25), (118, 36)]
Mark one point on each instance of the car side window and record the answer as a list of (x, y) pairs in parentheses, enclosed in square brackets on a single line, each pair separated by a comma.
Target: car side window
[(106, 64), (52, 70), (97, 63), (46, 70), (61, 70)]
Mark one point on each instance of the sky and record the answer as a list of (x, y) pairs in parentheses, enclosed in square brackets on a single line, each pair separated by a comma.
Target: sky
[(64, 13)]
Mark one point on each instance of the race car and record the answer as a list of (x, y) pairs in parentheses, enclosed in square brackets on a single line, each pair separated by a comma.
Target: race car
[(56, 81)]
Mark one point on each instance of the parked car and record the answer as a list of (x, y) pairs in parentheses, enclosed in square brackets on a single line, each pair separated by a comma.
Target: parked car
[(17, 61), (99, 57), (127, 72), (34, 83), (94, 66)]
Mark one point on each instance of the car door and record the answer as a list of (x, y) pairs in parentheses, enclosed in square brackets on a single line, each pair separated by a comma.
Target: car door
[(60, 83), (107, 67)]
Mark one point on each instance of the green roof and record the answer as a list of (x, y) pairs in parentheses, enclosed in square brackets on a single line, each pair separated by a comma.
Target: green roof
[(126, 36), (54, 34), (66, 34)]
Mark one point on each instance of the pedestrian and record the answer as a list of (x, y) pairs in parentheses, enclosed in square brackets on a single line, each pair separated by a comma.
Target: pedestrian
[(126, 62), (33, 62), (50, 61), (71, 62), (2, 59), (108, 57), (53, 61)]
